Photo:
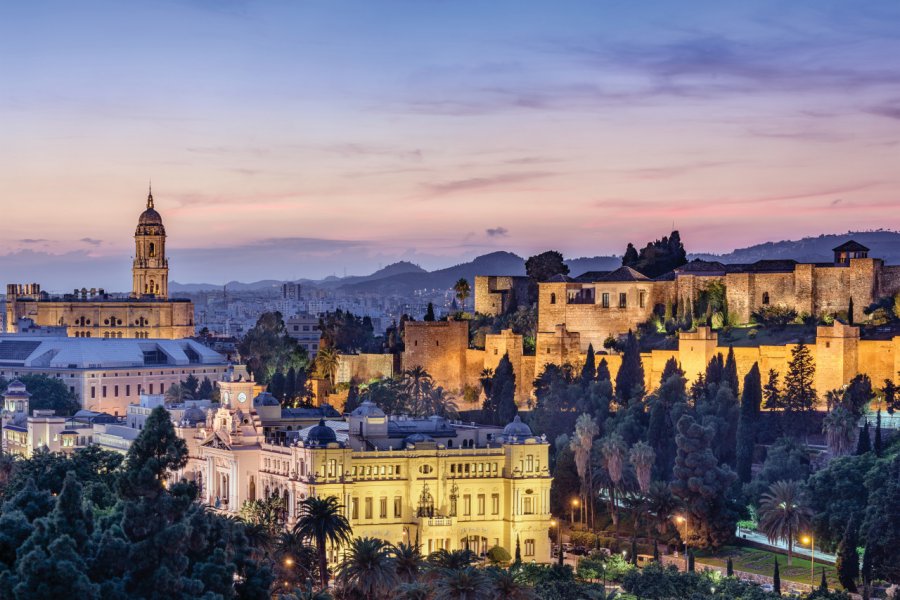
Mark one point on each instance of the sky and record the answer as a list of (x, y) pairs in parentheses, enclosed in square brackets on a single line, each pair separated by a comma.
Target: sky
[(289, 139)]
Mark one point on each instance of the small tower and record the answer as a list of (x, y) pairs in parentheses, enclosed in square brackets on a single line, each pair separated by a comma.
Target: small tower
[(150, 271), (847, 250)]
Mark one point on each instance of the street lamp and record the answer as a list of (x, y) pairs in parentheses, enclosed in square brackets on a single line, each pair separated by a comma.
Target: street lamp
[(559, 547), (682, 521), (811, 540), (572, 510)]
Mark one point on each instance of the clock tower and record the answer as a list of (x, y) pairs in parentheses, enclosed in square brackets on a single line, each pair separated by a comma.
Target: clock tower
[(239, 394), (150, 272)]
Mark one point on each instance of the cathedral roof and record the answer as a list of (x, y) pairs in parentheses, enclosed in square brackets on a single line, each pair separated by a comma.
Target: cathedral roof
[(150, 216)]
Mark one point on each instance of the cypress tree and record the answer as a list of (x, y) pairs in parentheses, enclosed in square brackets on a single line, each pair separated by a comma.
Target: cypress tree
[(589, 370), (429, 313), (633, 551), (751, 399), (715, 370), (518, 560), (850, 311), (204, 392), (823, 585), (500, 407), (276, 385), (603, 371), (729, 568), (776, 579), (847, 564), (290, 384), (730, 374), (630, 378), (864, 444), (878, 443), (656, 550), (690, 561), (670, 369)]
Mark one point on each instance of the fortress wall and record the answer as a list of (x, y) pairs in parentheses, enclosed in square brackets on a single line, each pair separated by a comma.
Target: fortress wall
[(439, 347), (879, 360), (890, 281), (551, 314), (364, 367)]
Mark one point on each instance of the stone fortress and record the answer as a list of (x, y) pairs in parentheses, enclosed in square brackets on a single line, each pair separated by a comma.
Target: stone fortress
[(147, 312), (574, 313)]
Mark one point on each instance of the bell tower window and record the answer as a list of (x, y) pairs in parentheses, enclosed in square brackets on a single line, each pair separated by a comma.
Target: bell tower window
[(152, 252)]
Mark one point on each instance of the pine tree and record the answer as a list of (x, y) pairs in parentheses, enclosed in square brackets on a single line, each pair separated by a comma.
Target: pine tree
[(703, 486), (864, 444), (589, 370), (751, 399), (730, 373), (847, 564), (879, 445), (603, 371), (772, 398), (429, 313), (630, 378), (204, 392), (799, 393), (776, 579)]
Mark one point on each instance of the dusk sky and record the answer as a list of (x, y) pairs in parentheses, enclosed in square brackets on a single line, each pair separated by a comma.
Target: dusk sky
[(301, 139)]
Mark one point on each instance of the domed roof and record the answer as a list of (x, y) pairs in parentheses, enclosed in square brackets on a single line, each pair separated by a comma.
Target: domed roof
[(367, 409), (321, 434), (517, 428), (266, 399), (16, 388), (150, 216)]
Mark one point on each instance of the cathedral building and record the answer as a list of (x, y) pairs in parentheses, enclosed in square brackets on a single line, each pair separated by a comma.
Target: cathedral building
[(147, 312)]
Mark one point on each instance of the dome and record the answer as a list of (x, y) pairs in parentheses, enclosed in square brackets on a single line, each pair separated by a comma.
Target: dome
[(517, 428), (266, 399), (367, 409), (321, 434), (16, 388), (150, 217)]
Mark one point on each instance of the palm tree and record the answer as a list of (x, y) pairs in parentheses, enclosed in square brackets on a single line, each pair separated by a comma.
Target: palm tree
[(417, 382), (642, 457), (368, 567), (408, 562), (467, 583), (307, 593), (321, 520), (782, 513), (586, 429), (439, 402), (463, 291), (662, 504), (450, 559), (840, 427), (508, 584), (327, 363), (295, 560), (486, 378), (413, 591), (613, 448)]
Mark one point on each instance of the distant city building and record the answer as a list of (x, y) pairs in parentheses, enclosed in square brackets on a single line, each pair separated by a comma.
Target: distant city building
[(107, 375), (305, 329), (290, 291), (92, 313)]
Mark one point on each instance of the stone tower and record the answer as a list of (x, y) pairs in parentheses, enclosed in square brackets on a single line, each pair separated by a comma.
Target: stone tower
[(151, 268)]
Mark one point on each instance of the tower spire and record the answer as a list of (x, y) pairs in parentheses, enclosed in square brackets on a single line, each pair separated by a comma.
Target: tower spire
[(150, 194)]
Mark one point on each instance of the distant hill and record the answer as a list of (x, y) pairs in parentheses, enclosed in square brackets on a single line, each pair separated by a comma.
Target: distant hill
[(882, 244), (402, 278)]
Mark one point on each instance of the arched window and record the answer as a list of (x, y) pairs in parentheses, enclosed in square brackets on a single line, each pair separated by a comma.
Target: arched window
[(152, 249), (552, 298), (765, 298)]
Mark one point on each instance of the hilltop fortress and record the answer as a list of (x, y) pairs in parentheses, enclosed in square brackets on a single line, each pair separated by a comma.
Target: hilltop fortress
[(575, 313)]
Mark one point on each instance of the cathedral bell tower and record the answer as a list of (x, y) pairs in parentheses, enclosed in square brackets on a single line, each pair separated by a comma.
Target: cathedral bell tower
[(151, 268)]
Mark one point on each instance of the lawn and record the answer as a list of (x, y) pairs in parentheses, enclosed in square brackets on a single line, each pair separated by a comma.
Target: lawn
[(762, 562)]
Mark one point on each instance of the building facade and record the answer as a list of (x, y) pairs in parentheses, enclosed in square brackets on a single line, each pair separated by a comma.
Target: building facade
[(446, 484), (146, 313), (305, 329), (108, 375)]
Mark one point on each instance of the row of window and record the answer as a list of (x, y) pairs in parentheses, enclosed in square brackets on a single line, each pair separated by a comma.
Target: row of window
[(586, 296), (474, 468), (368, 504)]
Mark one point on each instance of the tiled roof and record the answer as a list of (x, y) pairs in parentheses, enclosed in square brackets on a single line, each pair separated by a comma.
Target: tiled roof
[(851, 246)]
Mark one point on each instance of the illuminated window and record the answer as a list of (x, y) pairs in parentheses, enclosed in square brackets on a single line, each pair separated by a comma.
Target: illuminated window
[(604, 300), (495, 504), (623, 300), (529, 547)]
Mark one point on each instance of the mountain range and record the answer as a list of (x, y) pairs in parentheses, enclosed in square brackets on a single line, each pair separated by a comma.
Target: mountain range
[(404, 277)]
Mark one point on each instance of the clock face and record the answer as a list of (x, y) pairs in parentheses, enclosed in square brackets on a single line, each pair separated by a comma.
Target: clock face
[(242, 397)]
